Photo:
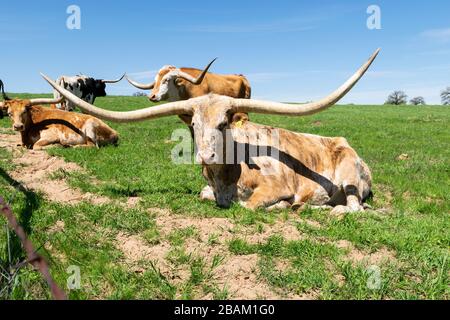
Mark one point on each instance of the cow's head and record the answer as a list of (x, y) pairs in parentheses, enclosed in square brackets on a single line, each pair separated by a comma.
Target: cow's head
[(213, 114), (88, 85), (170, 82), (18, 110), (211, 121), (98, 87)]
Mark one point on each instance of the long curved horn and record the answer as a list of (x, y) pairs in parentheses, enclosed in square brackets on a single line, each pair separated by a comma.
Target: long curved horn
[(114, 81), (249, 105), (168, 109), (148, 86), (197, 80), (5, 97), (35, 102)]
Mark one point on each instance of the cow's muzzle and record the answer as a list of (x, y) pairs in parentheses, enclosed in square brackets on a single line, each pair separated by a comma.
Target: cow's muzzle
[(18, 127), (153, 98), (207, 158)]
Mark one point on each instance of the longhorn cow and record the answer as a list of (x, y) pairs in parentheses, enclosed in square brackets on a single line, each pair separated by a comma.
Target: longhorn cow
[(175, 84), (40, 126), (83, 87), (306, 169)]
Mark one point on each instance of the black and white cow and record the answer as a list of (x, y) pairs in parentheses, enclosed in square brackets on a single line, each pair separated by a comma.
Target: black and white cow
[(83, 87)]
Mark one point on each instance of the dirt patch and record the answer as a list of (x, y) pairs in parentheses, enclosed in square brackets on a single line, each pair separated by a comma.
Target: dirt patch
[(136, 249), (57, 227), (312, 223), (239, 275), (403, 157), (285, 229), (36, 168), (132, 202), (220, 228), (356, 256)]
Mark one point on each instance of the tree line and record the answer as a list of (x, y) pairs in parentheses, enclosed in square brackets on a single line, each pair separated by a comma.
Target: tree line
[(400, 98)]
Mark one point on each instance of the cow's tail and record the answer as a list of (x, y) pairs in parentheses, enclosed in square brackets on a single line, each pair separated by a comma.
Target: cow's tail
[(247, 87)]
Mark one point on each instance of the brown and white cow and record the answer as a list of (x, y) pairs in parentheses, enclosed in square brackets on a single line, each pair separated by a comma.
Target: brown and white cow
[(175, 84), (298, 169), (40, 126)]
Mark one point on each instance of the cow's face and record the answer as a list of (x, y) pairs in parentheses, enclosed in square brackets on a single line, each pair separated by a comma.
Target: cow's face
[(18, 112), (100, 88), (166, 85), (210, 130)]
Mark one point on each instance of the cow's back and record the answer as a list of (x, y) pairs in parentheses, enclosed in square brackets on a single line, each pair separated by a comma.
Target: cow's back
[(50, 117), (235, 86)]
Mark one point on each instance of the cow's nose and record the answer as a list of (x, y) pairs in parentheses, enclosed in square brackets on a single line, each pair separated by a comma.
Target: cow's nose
[(18, 127), (208, 158), (152, 98)]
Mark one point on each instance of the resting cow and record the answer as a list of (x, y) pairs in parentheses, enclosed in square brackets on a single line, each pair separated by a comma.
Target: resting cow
[(40, 126), (175, 84), (299, 168)]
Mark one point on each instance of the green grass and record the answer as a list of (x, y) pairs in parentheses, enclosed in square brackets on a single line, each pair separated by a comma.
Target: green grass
[(412, 198)]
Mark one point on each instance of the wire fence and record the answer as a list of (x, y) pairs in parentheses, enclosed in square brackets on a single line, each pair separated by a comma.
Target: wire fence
[(33, 258)]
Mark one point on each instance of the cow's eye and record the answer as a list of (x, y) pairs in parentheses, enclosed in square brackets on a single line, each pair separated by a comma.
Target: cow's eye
[(222, 126)]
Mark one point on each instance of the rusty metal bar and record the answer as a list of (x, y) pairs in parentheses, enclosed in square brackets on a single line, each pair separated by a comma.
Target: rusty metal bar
[(33, 257)]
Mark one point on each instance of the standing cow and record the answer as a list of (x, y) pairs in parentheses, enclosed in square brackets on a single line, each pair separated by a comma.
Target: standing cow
[(175, 84), (83, 87), (5, 97)]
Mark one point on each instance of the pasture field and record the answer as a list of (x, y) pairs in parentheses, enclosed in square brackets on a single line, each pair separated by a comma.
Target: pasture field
[(167, 244)]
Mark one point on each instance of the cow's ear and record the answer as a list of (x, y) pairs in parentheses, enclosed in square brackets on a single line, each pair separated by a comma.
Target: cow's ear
[(239, 117), (187, 119), (179, 82)]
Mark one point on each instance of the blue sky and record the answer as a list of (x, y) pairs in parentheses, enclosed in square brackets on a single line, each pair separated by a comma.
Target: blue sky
[(290, 50)]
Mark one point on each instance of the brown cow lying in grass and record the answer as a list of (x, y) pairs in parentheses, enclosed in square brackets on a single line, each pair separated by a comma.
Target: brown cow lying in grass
[(40, 126)]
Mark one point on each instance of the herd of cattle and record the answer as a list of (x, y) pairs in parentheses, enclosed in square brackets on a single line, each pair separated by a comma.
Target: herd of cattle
[(319, 171)]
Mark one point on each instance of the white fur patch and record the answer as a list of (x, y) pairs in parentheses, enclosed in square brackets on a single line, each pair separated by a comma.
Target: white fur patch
[(167, 88)]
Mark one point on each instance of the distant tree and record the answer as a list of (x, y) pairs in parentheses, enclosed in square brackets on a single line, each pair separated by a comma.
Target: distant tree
[(445, 96), (417, 101), (397, 98), (139, 94)]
